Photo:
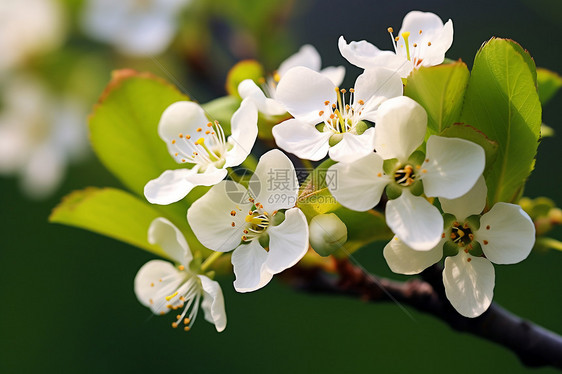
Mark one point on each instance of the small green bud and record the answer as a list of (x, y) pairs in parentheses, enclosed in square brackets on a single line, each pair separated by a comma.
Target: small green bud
[(335, 139), (389, 166), (327, 233), (393, 191), (264, 240), (361, 127)]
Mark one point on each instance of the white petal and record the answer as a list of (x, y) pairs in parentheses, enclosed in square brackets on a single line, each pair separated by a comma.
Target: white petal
[(307, 56), (469, 285), (163, 233), (182, 117), (274, 183), (443, 41), (303, 92), (360, 53), (154, 281), (210, 177), (358, 185), (506, 233), (302, 139), (213, 303), (452, 166), (401, 125), (244, 133), (249, 90), (249, 267), (288, 242), (415, 221), (402, 259), (415, 20), (472, 202), (365, 55), (169, 187), (433, 31), (353, 147), (375, 86), (334, 73), (211, 220)]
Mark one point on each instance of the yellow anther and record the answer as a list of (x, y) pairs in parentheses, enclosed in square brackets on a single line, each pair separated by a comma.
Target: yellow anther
[(361, 102), (174, 324), (199, 129), (185, 321), (188, 137), (415, 45), (151, 284), (207, 132), (181, 268), (397, 39), (186, 328), (199, 141), (429, 44), (168, 298), (420, 32), (173, 141), (210, 124), (261, 80), (178, 316), (390, 29), (276, 77)]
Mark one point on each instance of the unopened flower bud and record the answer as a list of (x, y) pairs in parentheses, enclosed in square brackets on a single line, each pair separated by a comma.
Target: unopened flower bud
[(327, 233)]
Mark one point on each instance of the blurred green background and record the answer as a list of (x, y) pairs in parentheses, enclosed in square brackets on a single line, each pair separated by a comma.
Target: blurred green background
[(67, 301)]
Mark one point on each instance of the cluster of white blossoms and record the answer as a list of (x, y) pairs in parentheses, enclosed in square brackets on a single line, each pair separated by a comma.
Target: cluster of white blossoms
[(378, 138), (133, 27)]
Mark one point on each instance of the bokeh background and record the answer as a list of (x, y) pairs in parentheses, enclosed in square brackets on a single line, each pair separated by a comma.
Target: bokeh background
[(66, 297)]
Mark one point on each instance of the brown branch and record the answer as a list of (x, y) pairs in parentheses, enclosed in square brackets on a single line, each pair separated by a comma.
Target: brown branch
[(534, 345)]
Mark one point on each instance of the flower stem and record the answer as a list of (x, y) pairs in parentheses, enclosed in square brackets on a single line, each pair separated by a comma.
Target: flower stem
[(209, 260)]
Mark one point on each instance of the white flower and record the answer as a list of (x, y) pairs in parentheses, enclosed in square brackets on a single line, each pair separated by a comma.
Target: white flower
[(504, 235), (29, 28), (265, 240), (449, 168), (264, 96), (40, 134), (163, 287), (326, 119), (134, 27), (422, 41), (191, 138)]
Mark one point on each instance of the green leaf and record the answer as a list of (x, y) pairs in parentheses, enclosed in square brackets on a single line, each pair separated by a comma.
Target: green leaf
[(116, 214), (502, 102), (549, 83), (363, 228), (314, 196), (246, 69), (460, 130), (124, 127), (440, 90)]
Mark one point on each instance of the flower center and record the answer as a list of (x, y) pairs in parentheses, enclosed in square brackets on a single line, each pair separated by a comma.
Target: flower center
[(413, 48), (405, 176), (204, 148), (186, 296), (342, 115), (257, 222), (462, 235)]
